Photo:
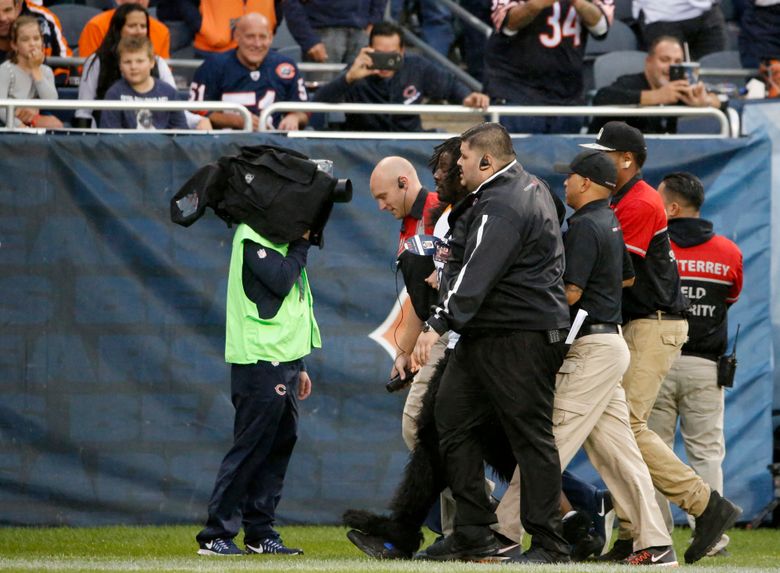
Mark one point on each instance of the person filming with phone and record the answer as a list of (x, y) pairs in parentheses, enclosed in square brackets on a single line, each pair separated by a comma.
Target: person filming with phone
[(666, 80), (383, 73)]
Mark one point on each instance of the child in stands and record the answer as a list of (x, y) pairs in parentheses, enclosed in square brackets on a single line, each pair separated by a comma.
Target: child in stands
[(25, 76), (136, 60)]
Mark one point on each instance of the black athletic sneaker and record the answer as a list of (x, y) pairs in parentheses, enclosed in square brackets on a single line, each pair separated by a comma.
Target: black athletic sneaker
[(271, 546), (576, 530), (219, 547), (620, 551), (375, 547), (576, 525), (455, 547), (654, 557), (719, 515), (540, 555), (591, 544), (505, 544)]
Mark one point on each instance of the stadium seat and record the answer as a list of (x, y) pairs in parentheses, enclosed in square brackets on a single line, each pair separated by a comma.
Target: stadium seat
[(285, 44), (698, 125), (283, 38), (724, 59), (181, 36), (609, 67), (727, 59), (73, 17), (100, 4), (620, 37)]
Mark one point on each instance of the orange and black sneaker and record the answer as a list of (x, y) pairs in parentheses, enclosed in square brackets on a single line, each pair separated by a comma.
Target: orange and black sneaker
[(654, 557)]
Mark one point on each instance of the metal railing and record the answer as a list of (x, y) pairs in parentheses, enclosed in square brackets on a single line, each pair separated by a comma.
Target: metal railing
[(496, 111), (11, 105), (192, 64), (727, 72)]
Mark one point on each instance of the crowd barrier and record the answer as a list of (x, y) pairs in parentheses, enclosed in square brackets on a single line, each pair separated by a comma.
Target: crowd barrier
[(51, 104), (728, 125), (114, 397)]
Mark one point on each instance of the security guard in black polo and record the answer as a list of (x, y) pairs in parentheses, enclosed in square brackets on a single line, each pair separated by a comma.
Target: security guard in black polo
[(590, 405)]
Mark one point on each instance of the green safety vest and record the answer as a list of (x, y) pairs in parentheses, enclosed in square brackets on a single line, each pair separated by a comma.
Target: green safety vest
[(288, 336)]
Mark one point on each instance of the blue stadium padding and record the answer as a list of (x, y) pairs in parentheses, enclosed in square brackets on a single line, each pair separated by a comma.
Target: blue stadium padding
[(114, 400)]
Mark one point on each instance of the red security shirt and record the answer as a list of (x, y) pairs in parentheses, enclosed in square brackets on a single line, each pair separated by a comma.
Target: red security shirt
[(710, 266), (640, 211)]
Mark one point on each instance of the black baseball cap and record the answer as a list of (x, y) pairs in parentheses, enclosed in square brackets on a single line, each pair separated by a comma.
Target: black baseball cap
[(618, 136), (593, 164)]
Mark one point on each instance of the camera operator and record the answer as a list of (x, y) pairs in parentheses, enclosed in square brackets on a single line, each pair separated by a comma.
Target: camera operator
[(654, 86), (710, 268), (405, 79), (270, 329)]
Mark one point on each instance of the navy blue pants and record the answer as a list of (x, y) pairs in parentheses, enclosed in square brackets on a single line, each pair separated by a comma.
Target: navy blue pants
[(249, 481)]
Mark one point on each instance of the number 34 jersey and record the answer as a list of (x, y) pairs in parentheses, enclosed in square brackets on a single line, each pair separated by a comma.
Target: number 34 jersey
[(542, 62)]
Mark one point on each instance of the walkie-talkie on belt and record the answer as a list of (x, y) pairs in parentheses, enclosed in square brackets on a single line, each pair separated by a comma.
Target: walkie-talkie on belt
[(727, 366)]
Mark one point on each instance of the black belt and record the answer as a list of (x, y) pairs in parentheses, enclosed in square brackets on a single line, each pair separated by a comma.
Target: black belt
[(552, 336), (598, 328), (663, 315)]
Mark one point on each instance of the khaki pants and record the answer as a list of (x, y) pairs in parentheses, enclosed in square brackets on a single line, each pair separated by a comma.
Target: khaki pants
[(691, 394), (417, 390), (655, 344), (590, 409)]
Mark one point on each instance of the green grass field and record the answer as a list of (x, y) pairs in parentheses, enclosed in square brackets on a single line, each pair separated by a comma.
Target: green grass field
[(172, 549)]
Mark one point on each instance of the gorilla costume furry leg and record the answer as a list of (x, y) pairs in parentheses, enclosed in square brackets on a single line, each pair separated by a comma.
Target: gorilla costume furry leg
[(424, 477)]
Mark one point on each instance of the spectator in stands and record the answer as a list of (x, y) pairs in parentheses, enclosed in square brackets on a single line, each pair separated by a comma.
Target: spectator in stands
[(535, 57), (95, 30), (474, 40), (759, 35), (212, 21), (54, 43), (253, 76), (101, 70), (700, 23), (415, 79), (653, 87), (435, 21), (136, 61), (24, 75), (332, 31)]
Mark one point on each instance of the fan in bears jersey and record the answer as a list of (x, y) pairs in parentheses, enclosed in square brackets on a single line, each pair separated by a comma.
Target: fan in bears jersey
[(251, 75), (534, 57)]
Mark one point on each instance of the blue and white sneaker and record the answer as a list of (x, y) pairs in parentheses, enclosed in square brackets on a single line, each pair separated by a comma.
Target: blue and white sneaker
[(271, 546), (219, 547)]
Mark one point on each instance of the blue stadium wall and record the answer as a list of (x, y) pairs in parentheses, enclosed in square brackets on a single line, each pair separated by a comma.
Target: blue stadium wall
[(114, 396)]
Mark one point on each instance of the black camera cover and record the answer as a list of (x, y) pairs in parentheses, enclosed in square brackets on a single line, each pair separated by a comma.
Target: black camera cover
[(278, 192)]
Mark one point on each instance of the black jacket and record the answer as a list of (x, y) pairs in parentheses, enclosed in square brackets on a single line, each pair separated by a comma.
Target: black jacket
[(418, 79), (627, 90), (505, 269)]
